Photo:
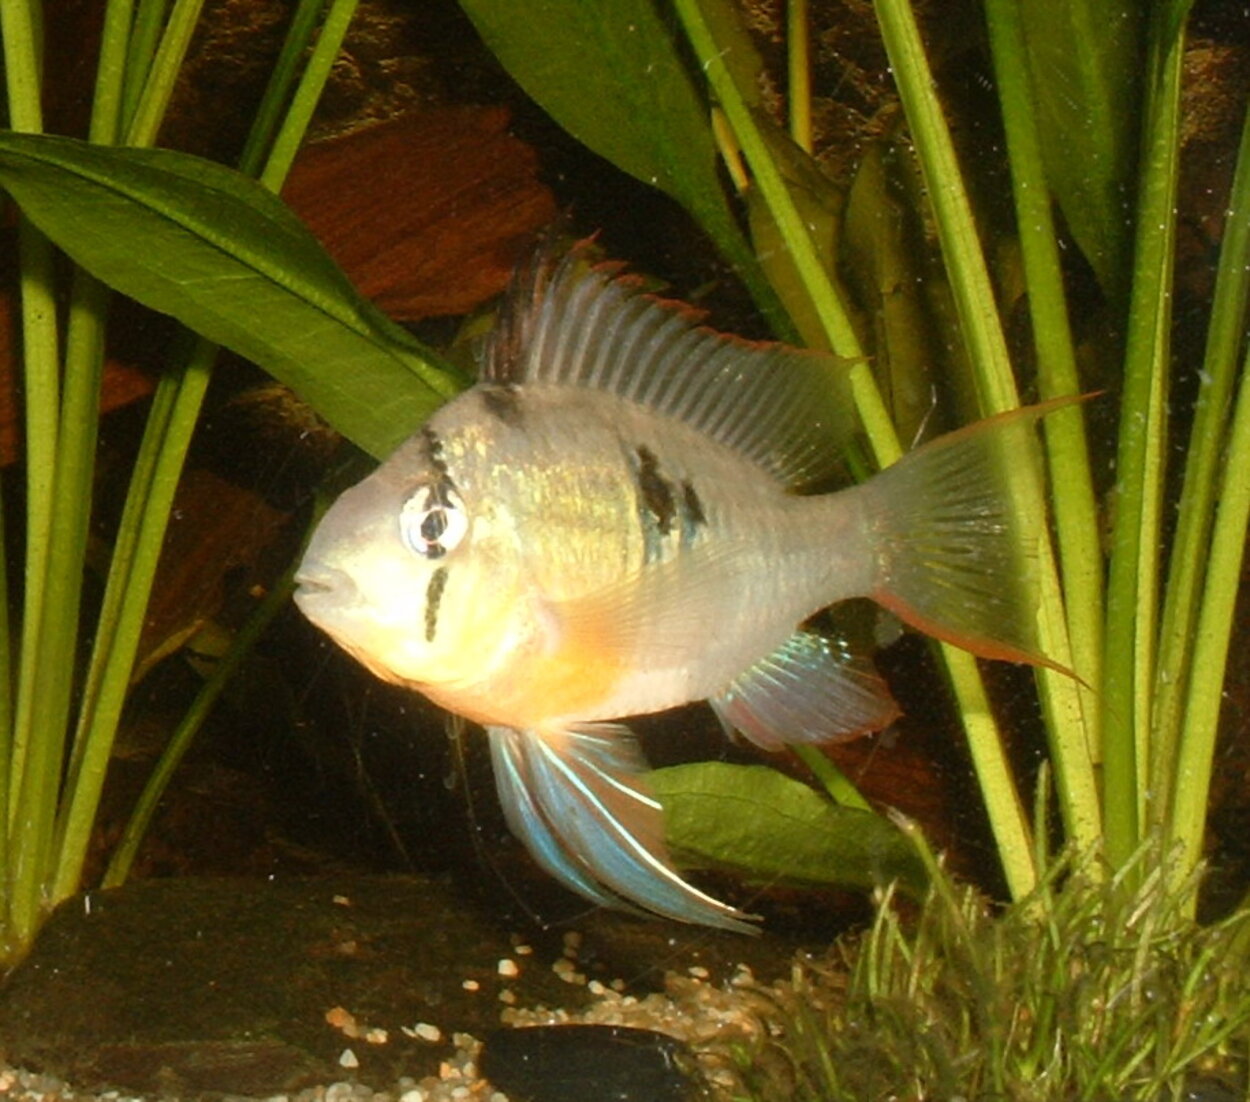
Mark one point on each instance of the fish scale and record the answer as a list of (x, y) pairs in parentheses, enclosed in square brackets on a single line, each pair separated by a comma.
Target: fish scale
[(618, 519)]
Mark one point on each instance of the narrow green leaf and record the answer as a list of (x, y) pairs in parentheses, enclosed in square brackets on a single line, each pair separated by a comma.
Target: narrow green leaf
[(773, 828), (608, 72), (1141, 461), (217, 251), (1077, 524), (1085, 58)]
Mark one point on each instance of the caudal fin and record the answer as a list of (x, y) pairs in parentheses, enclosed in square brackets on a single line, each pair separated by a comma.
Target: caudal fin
[(955, 558)]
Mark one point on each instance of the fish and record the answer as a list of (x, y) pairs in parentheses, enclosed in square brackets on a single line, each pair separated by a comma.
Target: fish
[(629, 511)]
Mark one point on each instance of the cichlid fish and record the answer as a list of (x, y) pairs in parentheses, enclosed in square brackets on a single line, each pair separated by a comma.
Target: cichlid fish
[(617, 519)]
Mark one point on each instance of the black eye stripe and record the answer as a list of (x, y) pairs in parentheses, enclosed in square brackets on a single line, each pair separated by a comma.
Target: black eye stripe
[(434, 525), (433, 597), (434, 451), (432, 520)]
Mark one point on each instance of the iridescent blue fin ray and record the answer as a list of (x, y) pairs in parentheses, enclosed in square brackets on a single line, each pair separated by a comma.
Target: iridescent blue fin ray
[(811, 689), (578, 801), (527, 822)]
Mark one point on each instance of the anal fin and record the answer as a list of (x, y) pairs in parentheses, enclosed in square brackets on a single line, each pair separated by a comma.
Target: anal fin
[(811, 689), (578, 800)]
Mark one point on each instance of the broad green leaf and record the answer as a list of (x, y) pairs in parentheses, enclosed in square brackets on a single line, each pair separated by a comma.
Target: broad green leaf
[(608, 72), (1086, 61), (214, 249), (773, 828)]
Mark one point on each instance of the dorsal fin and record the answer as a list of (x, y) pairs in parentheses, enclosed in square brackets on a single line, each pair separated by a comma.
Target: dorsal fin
[(569, 321)]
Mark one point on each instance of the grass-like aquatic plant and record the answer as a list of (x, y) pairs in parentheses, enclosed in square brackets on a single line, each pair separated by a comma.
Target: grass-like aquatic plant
[(664, 89), (1089, 988)]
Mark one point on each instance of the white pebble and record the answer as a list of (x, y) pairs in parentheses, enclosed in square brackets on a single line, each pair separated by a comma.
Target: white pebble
[(508, 968), (348, 1059)]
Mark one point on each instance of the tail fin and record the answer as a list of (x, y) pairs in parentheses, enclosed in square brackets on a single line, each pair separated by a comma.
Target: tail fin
[(955, 558)]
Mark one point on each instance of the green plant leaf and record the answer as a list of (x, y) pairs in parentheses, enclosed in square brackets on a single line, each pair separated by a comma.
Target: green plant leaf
[(608, 72), (224, 256), (1086, 58), (773, 828)]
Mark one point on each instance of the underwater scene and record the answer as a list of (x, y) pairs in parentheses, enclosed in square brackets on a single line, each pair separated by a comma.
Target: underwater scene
[(624, 549)]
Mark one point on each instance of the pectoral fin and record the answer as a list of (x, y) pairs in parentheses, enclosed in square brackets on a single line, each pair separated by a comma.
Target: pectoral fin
[(578, 801), (811, 689)]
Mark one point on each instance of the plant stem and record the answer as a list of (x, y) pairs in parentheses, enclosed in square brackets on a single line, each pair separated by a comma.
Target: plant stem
[(1135, 540), (984, 739), (798, 56), (1074, 503), (86, 783), (76, 440), (22, 34), (142, 39), (982, 331), (152, 494), (189, 726), (1178, 631), (772, 185), (269, 115), (1210, 653), (307, 94), (110, 76), (149, 112), (834, 781)]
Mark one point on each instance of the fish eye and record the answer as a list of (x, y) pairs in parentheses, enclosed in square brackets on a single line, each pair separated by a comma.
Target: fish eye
[(432, 521)]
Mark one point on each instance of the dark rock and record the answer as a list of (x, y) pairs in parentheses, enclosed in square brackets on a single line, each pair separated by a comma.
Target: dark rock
[(570, 1063)]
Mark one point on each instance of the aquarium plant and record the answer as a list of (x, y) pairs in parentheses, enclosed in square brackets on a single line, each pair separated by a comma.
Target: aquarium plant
[(57, 725), (1136, 626)]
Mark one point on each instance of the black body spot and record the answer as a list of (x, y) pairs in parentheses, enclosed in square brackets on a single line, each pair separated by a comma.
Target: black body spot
[(656, 492), (503, 403), (433, 597), (695, 517)]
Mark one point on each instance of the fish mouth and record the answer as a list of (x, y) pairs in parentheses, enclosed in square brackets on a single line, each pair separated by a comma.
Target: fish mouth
[(318, 583)]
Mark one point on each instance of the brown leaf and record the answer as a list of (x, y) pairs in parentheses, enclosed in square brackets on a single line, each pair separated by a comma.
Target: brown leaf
[(427, 213), (216, 530)]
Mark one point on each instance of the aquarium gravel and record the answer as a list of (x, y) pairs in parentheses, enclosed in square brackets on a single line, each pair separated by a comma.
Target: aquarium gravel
[(717, 1021)]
